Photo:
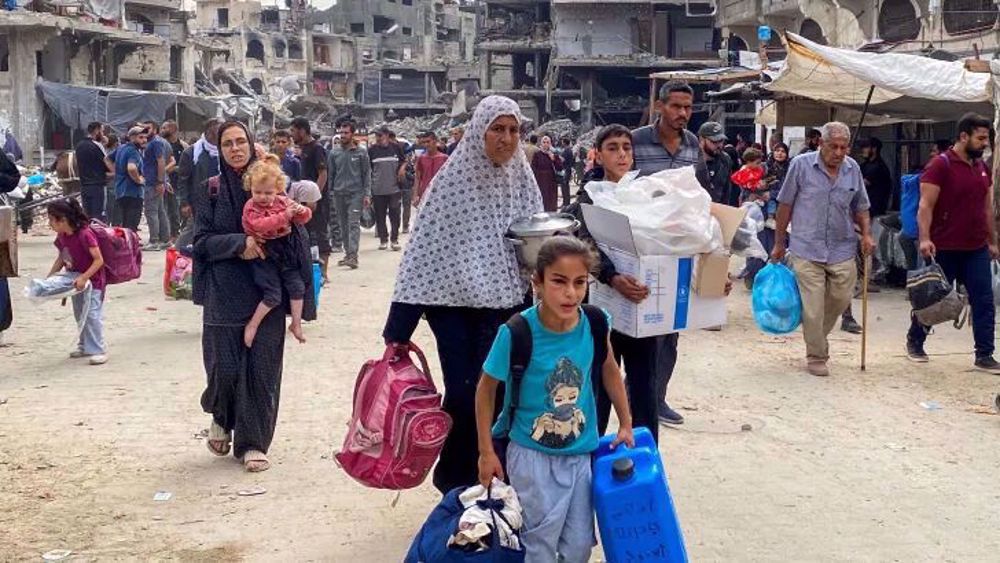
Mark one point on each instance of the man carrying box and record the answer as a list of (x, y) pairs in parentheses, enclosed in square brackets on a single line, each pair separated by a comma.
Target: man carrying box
[(823, 197), (664, 145)]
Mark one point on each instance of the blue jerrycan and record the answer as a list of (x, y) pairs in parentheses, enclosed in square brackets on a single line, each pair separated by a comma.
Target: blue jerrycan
[(635, 513), (317, 281)]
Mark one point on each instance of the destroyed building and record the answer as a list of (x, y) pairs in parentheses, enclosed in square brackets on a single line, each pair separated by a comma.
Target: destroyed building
[(587, 60), (413, 55), (86, 44), (948, 29)]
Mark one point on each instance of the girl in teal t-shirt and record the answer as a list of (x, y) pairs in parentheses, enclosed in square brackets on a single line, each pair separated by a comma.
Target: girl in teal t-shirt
[(554, 429)]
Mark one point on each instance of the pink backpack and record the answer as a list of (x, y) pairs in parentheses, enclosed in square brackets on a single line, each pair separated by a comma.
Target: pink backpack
[(397, 428), (121, 250)]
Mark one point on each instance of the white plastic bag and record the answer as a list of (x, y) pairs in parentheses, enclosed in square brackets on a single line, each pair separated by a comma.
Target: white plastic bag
[(745, 242), (670, 213)]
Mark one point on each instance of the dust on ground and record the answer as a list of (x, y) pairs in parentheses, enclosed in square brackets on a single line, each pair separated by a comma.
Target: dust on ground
[(845, 468)]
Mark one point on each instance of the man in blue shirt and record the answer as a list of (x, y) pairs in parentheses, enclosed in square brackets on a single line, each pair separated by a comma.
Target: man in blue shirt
[(128, 178), (155, 159), (281, 146), (823, 198)]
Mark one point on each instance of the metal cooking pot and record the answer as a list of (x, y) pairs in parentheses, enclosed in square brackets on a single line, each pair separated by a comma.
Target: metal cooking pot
[(528, 234)]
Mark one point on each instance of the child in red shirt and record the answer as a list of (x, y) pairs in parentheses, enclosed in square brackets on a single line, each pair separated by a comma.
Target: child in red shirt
[(80, 254), (268, 217)]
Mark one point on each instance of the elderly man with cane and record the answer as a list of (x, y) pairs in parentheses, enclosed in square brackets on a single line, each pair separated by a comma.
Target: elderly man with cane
[(823, 197)]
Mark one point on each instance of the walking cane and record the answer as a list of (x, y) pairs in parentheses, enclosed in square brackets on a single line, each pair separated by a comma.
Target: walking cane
[(864, 311)]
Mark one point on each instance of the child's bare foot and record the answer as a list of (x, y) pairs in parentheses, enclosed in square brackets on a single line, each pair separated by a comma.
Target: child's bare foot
[(249, 333), (296, 330)]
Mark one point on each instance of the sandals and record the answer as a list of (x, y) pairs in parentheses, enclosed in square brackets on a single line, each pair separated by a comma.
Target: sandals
[(255, 461), (218, 440)]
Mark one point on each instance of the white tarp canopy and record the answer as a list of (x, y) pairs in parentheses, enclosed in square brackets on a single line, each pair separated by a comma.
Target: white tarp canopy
[(905, 85)]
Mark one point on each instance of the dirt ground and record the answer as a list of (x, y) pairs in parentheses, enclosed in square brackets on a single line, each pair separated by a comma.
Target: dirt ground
[(846, 468)]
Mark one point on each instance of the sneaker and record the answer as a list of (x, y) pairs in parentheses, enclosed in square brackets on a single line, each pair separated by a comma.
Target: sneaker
[(817, 368), (988, 364), (915, 353), (336, 250), (383, 246), (669, 415), (850, 325), (342, 262), (151, 247), (395, 247), (77, 354), (351, 263), (98, 359)]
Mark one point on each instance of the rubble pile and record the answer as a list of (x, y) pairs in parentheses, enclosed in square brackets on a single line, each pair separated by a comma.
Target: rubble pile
[(408, 127), (586, 140), (557, 129)]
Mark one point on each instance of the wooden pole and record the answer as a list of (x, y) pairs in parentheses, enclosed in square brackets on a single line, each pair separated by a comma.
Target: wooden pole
[(864, 311)]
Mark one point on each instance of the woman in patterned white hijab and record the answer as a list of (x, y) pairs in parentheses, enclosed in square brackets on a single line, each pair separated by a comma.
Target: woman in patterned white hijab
[(460, 273)]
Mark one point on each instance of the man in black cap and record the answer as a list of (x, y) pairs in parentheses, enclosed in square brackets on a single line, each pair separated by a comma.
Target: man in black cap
[(714, 172)]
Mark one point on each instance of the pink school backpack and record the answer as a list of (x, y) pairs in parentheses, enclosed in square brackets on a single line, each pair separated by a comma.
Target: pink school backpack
[(121, 250), (397, 428)]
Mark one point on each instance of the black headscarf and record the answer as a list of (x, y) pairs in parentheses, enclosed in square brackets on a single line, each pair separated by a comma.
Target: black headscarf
[(219, 211), (776, 170)]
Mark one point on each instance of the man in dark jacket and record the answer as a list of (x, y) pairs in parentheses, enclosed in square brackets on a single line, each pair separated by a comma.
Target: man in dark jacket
[(9, 178), (713, 173), (878, 178), (198, 163), (92, 171)]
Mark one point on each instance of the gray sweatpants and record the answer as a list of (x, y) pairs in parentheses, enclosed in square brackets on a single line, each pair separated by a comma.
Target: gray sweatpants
[(555, 496), (347, 207)]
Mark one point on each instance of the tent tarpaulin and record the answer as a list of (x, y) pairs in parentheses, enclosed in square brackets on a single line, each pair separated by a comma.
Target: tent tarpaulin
[(902, 83), (79, 105)]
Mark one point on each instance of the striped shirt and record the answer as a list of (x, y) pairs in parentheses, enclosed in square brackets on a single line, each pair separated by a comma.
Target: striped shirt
[(652, 157)]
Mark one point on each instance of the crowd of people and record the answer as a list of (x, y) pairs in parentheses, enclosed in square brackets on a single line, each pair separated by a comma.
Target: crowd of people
[(255, 215)]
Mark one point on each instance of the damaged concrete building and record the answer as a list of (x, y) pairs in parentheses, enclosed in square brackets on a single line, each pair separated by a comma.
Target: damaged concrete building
[(412, 55), (88, 44), (590, 61), (948, 29)]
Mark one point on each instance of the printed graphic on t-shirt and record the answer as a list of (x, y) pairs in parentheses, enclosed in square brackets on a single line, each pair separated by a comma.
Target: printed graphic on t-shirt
[(563, 422)]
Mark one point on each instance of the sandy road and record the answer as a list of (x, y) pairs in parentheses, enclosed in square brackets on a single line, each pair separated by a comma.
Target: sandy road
[(848, 468)]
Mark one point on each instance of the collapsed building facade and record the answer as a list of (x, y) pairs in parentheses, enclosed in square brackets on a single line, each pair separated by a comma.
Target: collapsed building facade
[(590, 61), (130, 44), (413, 56)]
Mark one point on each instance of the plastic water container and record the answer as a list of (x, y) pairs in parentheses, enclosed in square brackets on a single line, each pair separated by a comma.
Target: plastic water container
[(317, 281), (635, 513)]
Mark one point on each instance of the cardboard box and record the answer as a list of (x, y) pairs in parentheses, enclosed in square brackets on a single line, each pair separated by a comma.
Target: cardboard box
[(672, 305), (8, 243)]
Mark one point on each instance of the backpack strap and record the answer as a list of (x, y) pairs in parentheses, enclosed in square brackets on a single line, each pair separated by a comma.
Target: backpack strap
[(520, 356), (599, 330)]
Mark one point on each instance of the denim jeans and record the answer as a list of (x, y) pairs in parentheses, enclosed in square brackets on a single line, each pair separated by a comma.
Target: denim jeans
[(156, 216), (348, 211), (91, 304), (970, 268)]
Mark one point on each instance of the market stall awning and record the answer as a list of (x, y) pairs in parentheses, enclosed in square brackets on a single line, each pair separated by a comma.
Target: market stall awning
[(904, 85)]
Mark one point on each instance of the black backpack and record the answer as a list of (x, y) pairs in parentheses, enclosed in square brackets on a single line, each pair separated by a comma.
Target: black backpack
[(520, 356)]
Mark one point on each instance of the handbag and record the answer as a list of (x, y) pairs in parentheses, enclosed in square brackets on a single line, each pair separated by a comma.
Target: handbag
[(933, 298)]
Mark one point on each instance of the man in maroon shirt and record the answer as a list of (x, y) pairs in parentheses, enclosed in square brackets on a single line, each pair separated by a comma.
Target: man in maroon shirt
[(957, 230), (427, 166)]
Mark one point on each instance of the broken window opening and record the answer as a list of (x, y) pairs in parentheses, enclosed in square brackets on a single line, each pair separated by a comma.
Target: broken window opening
[(176, 58), (321, 53), (897, 21), (255, 50), (357, 28), (294, 50), (145, 25), (279, 49), (407, 31), (4, 54), (812, 31), (270, 17), (257, 85), (222, 15), (382, 24), (407, 2), (969, 16)]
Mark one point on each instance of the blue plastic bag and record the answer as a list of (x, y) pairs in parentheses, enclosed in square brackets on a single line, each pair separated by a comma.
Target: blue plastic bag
[(909, 202), (777, 305)]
